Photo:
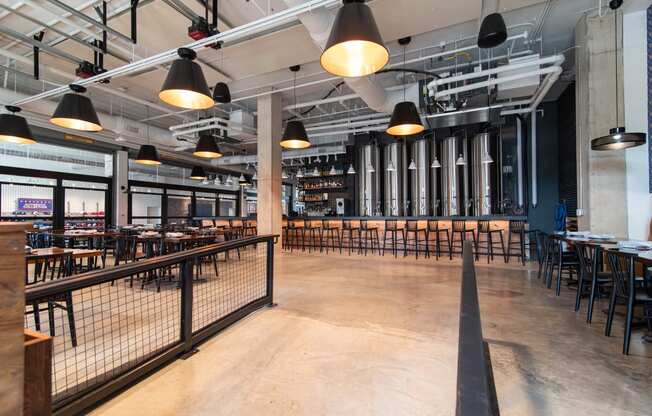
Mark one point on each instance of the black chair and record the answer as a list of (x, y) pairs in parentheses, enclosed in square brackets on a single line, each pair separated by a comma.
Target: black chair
[(542, 247), (434, 228), (412, 229), (294, 233), (368, 237), (391, 228), (331, 231), (625, 291), (518, 247), (349, 231), (460, 230), (564, 261), (314, 231), (489, 243), (590, 282)]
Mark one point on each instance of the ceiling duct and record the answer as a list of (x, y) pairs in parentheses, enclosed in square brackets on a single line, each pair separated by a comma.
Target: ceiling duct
[(463, 118), (318, 24)]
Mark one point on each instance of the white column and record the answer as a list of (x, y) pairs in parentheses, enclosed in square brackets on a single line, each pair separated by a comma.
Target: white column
[(270, 124), (120, 187)]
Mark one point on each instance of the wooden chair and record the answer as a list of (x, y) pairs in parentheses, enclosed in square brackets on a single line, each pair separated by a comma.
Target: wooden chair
[(434, 228)]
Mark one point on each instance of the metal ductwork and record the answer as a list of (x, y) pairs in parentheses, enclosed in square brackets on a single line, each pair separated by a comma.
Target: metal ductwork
[(318, 24)]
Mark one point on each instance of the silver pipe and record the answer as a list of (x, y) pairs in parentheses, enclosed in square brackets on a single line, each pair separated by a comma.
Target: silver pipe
[(90, 20), (465, 175), (519, 160), (47, 48), (481, 175), (535, 196), (450, 178)]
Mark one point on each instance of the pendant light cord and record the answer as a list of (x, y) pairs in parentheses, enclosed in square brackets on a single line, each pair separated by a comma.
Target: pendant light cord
[(404, 46)]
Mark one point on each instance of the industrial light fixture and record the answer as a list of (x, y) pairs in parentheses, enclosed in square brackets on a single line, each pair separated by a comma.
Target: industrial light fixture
[(221, 93), (14, 128), (618, 137), (461, 161), (493, 31), (435, 164), (198, 173), (391, 167), (405, 119), (370, 168), (255, 177), (229, 180), (354, 47), (300, 174), (284, 174), (413, 166), (351, 170), (207, 147), (316, 172), (487, 159), (332, 172), (185, 85), (295, 136), (218, 180), (75, 111), (147, 155), (242, 180)]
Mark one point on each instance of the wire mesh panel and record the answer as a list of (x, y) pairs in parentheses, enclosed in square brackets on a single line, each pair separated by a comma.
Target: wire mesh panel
[(104, 330), (241, 279)]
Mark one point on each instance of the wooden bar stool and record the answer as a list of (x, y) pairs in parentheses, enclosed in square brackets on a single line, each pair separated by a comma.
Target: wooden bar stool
[(295, 232), (369, 234), (517, 246), (314, 231), (484, 228), (460, 230), (349, 231), (412, 228), (391, 228), (433, 228), (331, 231)]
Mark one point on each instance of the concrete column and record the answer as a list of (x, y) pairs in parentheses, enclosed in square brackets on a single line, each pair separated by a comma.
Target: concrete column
[(120, 187), (601, 175), (270, 124)]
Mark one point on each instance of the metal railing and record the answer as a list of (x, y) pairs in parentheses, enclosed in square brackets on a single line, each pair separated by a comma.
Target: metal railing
[(111, 327), (476, 392)]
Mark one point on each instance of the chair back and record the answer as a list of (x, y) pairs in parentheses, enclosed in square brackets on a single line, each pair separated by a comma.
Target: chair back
[(235, 223), (484, 226), (347, 225), (391, 225), (207, 223), (517, 226), (312, 224), (622, 271), (364, 224), (585, 256), (433, 225), (412, 225), (459, 225)]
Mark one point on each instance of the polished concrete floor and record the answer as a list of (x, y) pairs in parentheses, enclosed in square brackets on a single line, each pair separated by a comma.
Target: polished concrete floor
[(378, 336)]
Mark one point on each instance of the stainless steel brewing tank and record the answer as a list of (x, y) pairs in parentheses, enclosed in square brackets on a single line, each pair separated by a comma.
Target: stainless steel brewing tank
[(450, 180), (481, 174), (435, 201), (368, 182), (419, 179), (393, 179)]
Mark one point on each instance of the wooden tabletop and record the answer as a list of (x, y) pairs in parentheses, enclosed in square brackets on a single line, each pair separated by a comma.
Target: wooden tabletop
[(44, 253)]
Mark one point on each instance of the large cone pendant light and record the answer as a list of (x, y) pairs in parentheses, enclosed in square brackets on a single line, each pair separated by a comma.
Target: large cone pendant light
[(185, 85), (207, 147), (75, 111), (14, 128), (493, 31), (295, 135), (618, 137), (198, 173), (147, 155), (405, 119), (355, 47)]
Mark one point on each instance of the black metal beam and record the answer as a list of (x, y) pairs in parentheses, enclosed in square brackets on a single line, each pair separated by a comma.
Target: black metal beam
[(38, 37), (134, 21)]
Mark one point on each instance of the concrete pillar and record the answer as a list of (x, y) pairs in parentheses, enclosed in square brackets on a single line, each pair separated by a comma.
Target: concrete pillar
[(601, 175), (270, 124), (120, 188)]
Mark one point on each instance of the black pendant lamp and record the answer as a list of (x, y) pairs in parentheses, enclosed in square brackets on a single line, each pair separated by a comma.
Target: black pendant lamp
[(405, 120), (355, 47), (295, 135), (618, 137), (207, 147), (14, 128), (493, 31), (185, 85), (75, 111), (221, 93), (147, 155), (198, 173)]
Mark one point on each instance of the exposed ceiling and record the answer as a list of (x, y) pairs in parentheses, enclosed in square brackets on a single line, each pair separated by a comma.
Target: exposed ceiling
[(260, 64)]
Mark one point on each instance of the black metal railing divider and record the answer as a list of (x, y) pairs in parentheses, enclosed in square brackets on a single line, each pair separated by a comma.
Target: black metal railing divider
[(476, 392), (188, 339)]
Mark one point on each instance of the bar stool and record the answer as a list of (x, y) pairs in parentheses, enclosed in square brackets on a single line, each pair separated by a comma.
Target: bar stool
[(369, 234), (314, 231), (517, 228), (460, 230), (250, 228), (484, 228), (351, 230), (295, 231), (412, 228), (433, 228), (237, 228), (332, 232), (391, 227)]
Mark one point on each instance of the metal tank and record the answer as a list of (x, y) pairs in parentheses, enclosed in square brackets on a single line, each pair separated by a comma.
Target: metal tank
[(435, 201), (393, 179), (450, 180), (481, 172), (419, 179), (368, 180)]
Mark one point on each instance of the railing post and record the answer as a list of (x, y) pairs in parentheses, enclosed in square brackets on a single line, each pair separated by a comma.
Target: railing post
[(270, 272), (186, 270)]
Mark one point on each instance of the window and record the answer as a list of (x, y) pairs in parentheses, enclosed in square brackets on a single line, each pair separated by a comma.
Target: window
[(33, 203), (206, 204), (178, 209), (228, 204), (146, 205)]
